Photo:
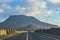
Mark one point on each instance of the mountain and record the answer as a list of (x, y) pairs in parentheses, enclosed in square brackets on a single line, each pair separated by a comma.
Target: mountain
[(19, 21)]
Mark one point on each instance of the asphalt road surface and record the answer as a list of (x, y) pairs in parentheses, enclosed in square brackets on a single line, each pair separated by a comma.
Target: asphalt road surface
[(33, 36), (18, 37)]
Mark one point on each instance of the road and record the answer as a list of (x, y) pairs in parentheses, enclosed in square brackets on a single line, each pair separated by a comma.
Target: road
[(33, 36), (18, 37)]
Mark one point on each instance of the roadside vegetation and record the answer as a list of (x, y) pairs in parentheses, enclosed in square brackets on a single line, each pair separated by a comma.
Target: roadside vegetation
[(54, 31), (5, 33)]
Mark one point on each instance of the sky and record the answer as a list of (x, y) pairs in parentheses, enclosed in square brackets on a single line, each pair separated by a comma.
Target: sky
[(44, 10)]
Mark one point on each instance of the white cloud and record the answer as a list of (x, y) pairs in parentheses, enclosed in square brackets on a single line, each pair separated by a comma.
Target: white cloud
[(38, 3), (4, 1), (1, 10), (52, 12), (20, 8), (6, 9), (31, 0), (36, 7), (55, 22), (35, 13), (43, 4), (54, 1), (49, 12), (6, 6)]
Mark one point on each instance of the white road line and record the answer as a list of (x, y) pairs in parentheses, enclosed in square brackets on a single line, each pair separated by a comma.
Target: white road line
[(47, 36), (27, 36), (51, 34), (50, 37)]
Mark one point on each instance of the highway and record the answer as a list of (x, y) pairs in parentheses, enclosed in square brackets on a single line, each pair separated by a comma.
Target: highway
[(18, 37), (33, 36)]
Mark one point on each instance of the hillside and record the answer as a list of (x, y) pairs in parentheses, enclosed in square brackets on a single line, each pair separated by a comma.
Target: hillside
[(18, 21)]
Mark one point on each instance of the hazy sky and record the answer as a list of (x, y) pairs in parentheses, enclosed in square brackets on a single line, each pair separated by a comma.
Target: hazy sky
[(43, 10)]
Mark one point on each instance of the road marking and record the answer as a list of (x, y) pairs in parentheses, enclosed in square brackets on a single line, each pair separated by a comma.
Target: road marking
[(27, 36), (47, 36), (50, 37)]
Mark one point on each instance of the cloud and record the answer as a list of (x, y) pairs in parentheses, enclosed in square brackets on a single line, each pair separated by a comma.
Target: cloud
[(55, 22), (5, 1), (1, 10), (34, 13), (36, 8), (6, 9), (43, 4), (20, 8), (33, 8), (54, 1), (6, 6), (38, 3), (49, 13)]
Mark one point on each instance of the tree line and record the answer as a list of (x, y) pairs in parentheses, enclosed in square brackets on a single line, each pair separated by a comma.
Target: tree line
[(54, 31)]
